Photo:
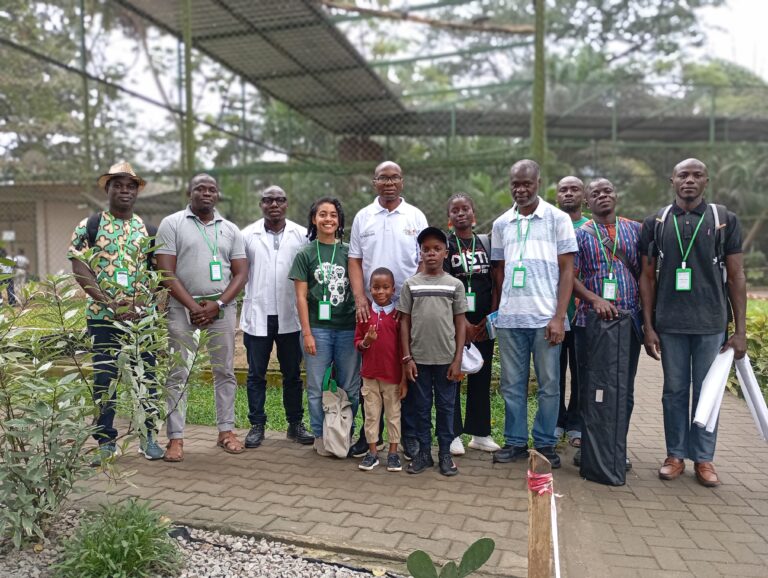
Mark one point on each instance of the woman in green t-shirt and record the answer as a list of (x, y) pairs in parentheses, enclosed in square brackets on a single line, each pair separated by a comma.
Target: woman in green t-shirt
[(326, 310)]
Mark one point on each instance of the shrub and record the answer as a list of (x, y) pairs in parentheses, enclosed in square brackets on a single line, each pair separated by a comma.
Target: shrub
[(757, 341), (121, 540)]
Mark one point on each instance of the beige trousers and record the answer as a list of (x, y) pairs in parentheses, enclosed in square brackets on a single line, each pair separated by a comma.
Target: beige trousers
[(376, 394)]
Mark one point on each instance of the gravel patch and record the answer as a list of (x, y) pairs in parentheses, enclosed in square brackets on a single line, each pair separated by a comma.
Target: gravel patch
[(206, 555)]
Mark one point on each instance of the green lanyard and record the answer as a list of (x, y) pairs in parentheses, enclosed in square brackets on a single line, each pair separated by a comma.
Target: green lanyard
[(214, 247), (525, 238), (467, 270), (320, 263), (680, 240), (602, 247), (121, 248)]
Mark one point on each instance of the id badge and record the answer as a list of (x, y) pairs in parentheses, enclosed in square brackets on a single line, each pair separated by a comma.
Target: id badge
[(518, 277), (683, 280), (215, 270), (471, 302), (610, 287), (121, 277), (324, 311)]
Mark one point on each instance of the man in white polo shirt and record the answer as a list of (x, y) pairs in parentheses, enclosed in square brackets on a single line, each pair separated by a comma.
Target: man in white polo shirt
[(384, 235), (533, 245), (269, 315)]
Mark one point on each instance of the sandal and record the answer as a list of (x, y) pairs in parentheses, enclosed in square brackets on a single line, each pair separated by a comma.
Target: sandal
[(575, 442), (174, 451), (229, 443)]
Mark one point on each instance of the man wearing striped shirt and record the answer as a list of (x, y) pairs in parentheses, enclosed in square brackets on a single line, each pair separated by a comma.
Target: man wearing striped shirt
[(607, 273), (533, 245)]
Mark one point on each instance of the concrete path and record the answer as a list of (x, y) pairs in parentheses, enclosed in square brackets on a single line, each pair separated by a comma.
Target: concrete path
[(647, 528)]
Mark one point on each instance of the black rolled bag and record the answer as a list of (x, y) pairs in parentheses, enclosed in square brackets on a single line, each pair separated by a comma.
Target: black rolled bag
[(604, 375)]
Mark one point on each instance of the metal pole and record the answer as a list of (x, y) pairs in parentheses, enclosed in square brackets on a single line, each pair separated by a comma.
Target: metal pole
[(712, 112), (182, 132), (538, 118), (86, 104), (189, 140), (245, 201)]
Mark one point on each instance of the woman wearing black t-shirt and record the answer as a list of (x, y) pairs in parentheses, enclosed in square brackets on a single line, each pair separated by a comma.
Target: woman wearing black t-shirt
[(469, 260)]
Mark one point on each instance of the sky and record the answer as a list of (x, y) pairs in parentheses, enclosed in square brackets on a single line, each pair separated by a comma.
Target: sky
[(735, 32)]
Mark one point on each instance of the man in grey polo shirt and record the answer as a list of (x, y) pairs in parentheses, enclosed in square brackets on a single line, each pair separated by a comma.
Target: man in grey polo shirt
[(204, 257)]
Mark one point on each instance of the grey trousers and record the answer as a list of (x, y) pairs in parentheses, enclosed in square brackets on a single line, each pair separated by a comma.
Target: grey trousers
[(221, 348)]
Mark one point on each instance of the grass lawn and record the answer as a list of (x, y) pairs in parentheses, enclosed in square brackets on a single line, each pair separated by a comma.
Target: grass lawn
[(201, 410), (757, 306)]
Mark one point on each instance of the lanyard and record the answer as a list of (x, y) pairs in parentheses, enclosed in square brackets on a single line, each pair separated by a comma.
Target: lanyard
[(320, 263), (680, 240), (214, 247), (602, 247), (525, 238), (129, 238), (467, 270)]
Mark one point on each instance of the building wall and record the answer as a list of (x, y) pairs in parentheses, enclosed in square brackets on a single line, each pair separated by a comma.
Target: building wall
[(55, 222)]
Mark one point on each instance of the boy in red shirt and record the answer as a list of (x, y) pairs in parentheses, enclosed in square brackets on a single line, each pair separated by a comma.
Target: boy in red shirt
[(383, 375)]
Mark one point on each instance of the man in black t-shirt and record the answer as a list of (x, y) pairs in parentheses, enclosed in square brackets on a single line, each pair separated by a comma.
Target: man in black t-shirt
[(690, 302)]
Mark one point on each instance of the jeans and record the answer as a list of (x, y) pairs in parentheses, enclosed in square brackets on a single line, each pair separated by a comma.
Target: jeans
[(477, 421), (106, 344), (337, 347), (568, 417), (686, 360), (433, 378), (289, 355), (515, 349)]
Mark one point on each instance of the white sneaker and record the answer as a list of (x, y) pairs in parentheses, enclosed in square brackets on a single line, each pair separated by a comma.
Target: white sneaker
[(485, 444), (320, 448), (457, 448)]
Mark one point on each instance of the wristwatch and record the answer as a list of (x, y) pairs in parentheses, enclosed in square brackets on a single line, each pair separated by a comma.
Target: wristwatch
[(221, 304)]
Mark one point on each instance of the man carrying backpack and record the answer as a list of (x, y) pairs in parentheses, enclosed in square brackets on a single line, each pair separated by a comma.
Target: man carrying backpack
[(692, 266)]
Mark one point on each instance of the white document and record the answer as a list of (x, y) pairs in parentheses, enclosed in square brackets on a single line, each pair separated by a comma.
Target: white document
[(712, 390), (753, 396)]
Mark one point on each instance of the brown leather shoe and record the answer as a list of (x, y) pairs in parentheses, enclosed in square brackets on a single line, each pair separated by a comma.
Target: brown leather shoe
[(672, 468), (174, 451), (706, 474)]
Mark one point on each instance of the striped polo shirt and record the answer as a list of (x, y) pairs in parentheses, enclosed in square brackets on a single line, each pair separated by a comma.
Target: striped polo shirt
[(550, 233)]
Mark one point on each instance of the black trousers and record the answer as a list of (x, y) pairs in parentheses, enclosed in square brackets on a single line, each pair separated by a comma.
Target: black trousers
[(477, 421), (568, 417)]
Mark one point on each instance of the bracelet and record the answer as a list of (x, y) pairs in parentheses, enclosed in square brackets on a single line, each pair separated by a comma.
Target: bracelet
[(407, 358)]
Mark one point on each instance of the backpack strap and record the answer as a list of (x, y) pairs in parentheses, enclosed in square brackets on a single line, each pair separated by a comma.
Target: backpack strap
[(485, 241), (92, 228), (589, 227), (658, 232)]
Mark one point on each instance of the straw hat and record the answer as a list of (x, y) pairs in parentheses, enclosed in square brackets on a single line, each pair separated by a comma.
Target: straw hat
[(121, 169)]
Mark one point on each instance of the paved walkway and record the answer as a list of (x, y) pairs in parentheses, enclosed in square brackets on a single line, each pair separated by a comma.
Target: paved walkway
[(647, 528)]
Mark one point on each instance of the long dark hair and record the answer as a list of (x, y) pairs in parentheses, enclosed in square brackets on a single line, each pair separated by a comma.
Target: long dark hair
[(312, 228)]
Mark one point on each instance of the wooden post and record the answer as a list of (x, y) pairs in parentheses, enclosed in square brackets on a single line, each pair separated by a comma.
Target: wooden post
[(539, 522)]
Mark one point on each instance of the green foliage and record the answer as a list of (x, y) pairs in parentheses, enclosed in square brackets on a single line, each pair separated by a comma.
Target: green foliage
[(128, 540), (44, 418), (757, 342), (420, 565)]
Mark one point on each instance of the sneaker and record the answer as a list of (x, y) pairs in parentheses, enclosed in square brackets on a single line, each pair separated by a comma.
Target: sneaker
[(457, 448), (577, 458), (255, 436), (447, 467), (149, 448), (393, 463), (359, 449), (410, 448), (628, 465), (419, 463), (483, 443), (380, 445), (104, 454), (510, 453), (369, 462), (550, 453), (298, 433), (319, 447)]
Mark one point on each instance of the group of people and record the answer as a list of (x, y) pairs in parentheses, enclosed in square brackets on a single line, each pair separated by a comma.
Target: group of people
[(17, 273), (392, 310)]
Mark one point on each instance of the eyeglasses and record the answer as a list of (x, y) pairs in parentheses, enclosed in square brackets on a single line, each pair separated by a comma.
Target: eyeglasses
[(382, 180), (273, 201)]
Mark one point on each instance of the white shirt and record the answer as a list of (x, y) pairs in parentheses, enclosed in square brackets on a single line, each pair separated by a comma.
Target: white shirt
[(268, 287), (383, 238)]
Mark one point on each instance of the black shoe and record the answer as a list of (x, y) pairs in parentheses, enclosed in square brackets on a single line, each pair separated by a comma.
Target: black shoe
[(298, 433), (359, 449), (550, 453), (420, 463), (255, 436), (447, 467), (369, 462), (577, 458), (393, 463), (510, 453), (410, 448)]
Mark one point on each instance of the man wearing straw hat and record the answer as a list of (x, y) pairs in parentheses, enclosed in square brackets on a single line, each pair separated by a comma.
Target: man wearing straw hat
[(112, 279)]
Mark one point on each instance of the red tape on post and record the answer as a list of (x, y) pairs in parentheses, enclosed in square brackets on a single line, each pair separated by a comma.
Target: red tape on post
[(540, 483)]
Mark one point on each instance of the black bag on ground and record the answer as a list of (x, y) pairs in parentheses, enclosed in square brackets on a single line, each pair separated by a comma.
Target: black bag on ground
[(603, 383)]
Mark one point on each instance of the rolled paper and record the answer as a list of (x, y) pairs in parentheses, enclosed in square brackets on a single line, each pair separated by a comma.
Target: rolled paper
[(712, 388), (753, 395)]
